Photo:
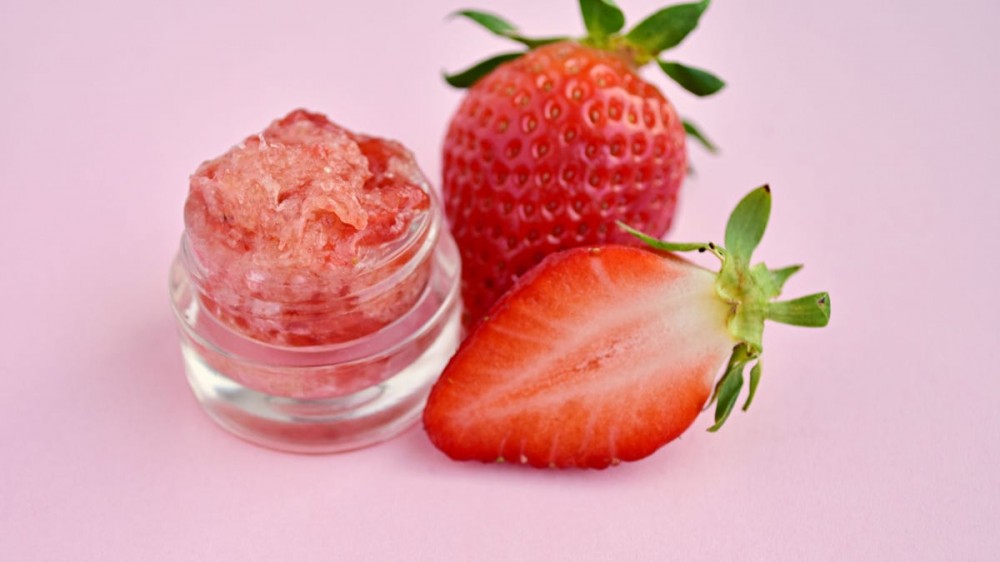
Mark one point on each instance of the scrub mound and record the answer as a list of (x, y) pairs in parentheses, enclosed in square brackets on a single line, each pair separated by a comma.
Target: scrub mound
[(293, 227)]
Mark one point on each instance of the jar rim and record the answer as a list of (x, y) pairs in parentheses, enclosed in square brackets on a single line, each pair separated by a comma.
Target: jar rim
[(395, 333)]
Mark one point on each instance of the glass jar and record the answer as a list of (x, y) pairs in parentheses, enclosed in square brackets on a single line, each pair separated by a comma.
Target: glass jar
[(366, 386)]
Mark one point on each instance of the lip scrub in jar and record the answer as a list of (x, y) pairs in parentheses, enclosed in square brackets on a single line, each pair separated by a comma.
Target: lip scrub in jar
[(316, 287)]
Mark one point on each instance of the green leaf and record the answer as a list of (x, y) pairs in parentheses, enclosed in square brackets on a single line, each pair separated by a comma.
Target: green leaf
[(748, 290), (694, 132), (771, 282), (715, 392), (732, 383), (658, 244), (747, 224), (499, 26), (533, 43), (780, 276), (472, 75), (754, 381), (737, 359), (490, 21), (812, 311), (602, 17), (695, 80), (666, 28)]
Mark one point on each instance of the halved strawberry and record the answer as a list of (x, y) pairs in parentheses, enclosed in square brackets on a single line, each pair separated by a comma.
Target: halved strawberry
[(605, 354)]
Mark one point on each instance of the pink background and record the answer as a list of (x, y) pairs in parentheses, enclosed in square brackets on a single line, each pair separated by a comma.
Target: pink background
[(877, 124)]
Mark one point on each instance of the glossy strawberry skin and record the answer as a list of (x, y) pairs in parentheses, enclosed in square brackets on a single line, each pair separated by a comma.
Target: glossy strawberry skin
[(594, 357), (546, 153)]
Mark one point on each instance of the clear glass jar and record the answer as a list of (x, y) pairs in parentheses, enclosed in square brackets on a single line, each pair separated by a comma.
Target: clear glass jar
[(328, 397)]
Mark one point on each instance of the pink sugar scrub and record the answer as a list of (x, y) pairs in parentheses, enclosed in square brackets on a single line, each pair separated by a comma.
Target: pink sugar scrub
[(303, 234)]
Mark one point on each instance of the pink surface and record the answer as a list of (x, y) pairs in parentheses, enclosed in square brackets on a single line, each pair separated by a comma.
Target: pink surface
[(877, 125)]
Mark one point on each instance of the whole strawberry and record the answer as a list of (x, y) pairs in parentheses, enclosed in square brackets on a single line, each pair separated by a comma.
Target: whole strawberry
[(550, 147)]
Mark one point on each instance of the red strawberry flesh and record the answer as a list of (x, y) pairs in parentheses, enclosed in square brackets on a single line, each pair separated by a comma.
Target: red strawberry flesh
[(620, 362)]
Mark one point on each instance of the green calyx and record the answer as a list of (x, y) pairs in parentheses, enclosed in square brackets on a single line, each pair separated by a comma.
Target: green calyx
[(751, 292), (604, 22)]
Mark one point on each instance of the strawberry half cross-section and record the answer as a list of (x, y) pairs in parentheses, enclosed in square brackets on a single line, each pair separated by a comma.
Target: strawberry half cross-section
[(605, 354)]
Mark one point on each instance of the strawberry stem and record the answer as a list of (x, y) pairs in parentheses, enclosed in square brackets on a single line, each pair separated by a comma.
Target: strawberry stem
[(749, 291), (670, 246), (604, 21)]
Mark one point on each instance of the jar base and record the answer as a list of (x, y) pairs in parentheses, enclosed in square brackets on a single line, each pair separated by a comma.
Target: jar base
[(322, 425)]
